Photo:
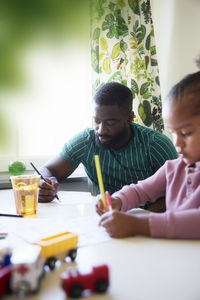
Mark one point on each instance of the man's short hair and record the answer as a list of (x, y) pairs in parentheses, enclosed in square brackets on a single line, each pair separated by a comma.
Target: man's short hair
[(114, 93)]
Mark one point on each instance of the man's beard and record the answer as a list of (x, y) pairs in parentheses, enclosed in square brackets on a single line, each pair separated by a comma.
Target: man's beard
[(114, 140)]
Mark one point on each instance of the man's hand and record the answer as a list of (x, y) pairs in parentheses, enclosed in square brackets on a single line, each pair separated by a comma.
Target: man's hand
[(48, 189), (100, 209), (121, 225)]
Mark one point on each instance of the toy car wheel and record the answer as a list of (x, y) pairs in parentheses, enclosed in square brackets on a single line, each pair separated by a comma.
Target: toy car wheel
[(101, 285), (23, 288), (42, 274), (36, 290), (8, 288), (75, 291), (51, 262), (72, 254)]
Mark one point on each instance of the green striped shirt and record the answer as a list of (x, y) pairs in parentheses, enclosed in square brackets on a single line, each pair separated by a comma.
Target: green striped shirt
[(146, 152)]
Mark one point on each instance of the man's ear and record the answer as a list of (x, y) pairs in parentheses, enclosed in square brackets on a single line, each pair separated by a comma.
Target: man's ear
[(130, 117)]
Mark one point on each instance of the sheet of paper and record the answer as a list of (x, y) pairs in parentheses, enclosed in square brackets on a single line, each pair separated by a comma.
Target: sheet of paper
[(31, 230), (75, 213)]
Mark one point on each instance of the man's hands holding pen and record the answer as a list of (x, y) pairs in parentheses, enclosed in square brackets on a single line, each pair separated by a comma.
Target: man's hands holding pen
[(48, 189)]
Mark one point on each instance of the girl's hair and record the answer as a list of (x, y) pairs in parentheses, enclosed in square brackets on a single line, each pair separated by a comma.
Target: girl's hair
[(114, 93), (188, 91)]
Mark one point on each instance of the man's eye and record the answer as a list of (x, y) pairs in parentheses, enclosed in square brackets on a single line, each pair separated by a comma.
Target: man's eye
[(110, 123), (96, 121)]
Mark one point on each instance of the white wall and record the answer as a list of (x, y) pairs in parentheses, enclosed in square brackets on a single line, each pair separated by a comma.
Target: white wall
[(177, 35)]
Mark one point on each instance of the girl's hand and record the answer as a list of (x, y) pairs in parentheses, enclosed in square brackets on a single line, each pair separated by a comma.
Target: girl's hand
[(120, 225), (100, 209)]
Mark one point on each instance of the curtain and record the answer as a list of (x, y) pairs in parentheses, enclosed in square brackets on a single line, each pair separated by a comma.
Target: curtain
[(123, 50)]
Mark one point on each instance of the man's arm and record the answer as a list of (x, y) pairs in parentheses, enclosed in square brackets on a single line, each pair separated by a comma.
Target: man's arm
[(161, 150), (55, 170), (157, 206)]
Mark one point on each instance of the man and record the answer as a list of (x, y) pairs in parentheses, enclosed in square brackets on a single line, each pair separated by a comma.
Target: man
[(128, 152)]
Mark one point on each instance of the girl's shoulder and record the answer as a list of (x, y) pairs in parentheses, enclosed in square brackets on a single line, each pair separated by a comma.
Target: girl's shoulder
[(175, 164)]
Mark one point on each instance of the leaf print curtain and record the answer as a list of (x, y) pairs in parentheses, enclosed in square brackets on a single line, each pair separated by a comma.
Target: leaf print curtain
[(123, 49)]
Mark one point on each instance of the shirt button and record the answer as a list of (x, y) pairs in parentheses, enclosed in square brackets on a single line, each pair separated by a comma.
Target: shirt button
[(191, 170), (189, 180)]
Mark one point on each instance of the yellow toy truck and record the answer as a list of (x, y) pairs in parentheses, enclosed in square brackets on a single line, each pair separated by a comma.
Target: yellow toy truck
[(58, 247)]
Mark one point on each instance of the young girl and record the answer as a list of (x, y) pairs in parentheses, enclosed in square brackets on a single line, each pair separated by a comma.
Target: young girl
[(178, 180)]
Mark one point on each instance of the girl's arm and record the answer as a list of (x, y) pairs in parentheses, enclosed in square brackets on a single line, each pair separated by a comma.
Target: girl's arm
[(173, 225), (183, 224), (150, 189)]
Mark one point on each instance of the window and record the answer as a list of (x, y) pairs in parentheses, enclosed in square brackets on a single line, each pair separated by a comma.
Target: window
[(55, 106), (55, 103)]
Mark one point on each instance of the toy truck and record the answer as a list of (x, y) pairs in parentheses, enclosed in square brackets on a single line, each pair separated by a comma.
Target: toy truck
[(95, 281), (58, 247), (27, 269)]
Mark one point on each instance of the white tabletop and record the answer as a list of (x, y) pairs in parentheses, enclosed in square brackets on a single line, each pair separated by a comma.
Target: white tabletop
[(140, 268)]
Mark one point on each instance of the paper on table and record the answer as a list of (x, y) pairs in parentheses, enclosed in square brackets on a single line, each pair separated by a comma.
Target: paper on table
[(32, 230), (76, 213)]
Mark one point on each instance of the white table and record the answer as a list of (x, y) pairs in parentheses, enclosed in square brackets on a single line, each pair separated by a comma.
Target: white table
[(140, 268)]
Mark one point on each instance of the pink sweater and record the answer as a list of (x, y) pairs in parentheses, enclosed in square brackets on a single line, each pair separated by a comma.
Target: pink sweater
[(180, 184)]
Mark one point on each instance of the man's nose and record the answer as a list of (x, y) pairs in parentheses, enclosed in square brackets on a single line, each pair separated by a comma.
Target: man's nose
[(102, 129)]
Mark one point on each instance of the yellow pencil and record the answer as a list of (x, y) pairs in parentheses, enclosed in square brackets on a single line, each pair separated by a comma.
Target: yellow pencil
[(100, 180)]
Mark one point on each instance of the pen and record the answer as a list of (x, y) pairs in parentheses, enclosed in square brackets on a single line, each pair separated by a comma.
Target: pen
[(108, 201), (100, 180), (11, 215), (56, 196)]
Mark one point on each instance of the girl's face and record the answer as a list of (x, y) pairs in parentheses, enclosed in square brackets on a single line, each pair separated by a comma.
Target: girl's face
[(185, 129)]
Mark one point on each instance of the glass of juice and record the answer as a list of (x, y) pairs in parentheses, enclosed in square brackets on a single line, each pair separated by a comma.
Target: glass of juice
[(25, 188)]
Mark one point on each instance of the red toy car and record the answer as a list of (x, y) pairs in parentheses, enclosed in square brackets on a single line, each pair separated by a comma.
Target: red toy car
[(95, 281), (5, 266), (5, 275)]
